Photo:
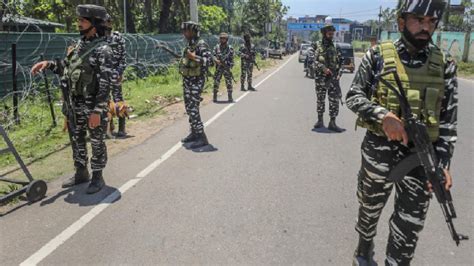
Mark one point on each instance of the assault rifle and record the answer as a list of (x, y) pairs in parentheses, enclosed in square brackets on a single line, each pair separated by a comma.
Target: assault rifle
[(423, 155), (167, 49), (337, 86)]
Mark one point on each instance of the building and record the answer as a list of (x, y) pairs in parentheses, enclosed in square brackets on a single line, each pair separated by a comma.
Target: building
[(303, 27)]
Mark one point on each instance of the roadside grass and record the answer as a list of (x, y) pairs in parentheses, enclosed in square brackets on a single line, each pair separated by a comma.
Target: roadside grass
[(466, 69), (35, 138)]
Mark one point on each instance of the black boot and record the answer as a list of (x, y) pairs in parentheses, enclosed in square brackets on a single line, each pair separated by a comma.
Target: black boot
[(121, 128), (190, 138), (364, 254), (231, 100), (81, 176), (97, 182), (320, 123), (200, 142), (333, 127), (252, 88), (242, 88), (214, 97)]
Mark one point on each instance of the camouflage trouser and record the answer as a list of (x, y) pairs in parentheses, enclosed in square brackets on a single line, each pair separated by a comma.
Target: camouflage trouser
[(227, 76), (412, 198), (117, 96), (77, 135), (193, 87), (246, 72), (325, 86)]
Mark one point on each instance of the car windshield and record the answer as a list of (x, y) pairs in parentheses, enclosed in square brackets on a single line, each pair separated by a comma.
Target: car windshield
[(347, 52), (274, 45), (305, 47)]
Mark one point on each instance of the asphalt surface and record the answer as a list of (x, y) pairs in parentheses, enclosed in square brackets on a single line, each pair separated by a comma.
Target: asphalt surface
[(270, 191)]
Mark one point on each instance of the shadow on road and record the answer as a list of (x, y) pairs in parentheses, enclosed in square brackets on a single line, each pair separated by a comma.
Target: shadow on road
[(327, 131), (77, 195), (223, 102), (208, 148)]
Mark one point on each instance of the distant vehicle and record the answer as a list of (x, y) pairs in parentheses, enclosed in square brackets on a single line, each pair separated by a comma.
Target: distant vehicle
[(347, 56), (303, 52), (275, 49), (308, 64)]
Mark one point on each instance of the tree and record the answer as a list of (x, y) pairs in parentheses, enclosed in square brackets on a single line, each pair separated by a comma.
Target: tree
[(211, 18), (389, 18)]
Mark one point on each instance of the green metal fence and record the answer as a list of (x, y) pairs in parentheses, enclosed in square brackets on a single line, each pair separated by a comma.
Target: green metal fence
[(141, 54)]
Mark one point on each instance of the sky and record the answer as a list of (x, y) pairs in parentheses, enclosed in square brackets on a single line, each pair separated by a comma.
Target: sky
[(360, 10)]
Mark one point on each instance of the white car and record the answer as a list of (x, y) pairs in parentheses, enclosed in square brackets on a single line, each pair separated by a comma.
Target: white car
[(303, 52)]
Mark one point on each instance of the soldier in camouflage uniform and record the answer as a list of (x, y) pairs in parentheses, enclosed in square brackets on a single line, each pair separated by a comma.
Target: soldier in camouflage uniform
[(327, 67), (193, 67), (247, 54), (117, 43), (224, 58), (87, 75), (431, 85)]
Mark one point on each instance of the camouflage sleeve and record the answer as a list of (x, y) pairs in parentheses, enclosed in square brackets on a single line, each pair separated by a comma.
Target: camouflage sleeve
[(121, 54), (358, 96), (204, 55), (231, 56), (103, 61), (448, 119), (57, 66), (339, 62), (239, 52)]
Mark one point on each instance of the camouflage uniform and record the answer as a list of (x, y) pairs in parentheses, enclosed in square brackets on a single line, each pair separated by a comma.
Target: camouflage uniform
[(119, 55), (194, 85), (225, 54), (326, 57), (99, 56), (247, 54), (117, 43), (379, 156)]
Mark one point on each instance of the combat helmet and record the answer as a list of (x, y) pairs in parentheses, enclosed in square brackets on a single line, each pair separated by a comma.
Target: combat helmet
[(224, 35), (92, 12), (433, 8), (327, 27), (191, 25)]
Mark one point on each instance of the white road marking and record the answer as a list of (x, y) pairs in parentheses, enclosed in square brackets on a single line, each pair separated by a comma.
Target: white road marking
[(60, 239), (76, 226)]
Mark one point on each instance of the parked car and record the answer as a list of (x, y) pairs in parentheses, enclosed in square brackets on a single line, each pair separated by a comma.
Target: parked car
[(275, 49), (303, 52), (347, 56)]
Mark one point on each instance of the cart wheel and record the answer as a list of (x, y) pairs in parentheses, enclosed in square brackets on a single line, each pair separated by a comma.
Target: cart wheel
[(36, 190)]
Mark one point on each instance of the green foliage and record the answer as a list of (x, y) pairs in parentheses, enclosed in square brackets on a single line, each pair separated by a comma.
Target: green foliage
[(211, 18), (258, 12), (466, 69), (315, 36)]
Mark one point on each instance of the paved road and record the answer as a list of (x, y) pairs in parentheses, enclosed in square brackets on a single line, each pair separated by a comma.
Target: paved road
[(271, 192)]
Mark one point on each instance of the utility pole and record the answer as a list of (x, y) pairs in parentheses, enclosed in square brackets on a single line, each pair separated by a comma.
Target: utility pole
[(446, 18), (124, 16), (379, 33), (193, 5)]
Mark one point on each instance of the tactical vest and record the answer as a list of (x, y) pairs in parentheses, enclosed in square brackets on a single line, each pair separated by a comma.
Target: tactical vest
[(424, 88), (80, 75), (190, 68), (327, 55)]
